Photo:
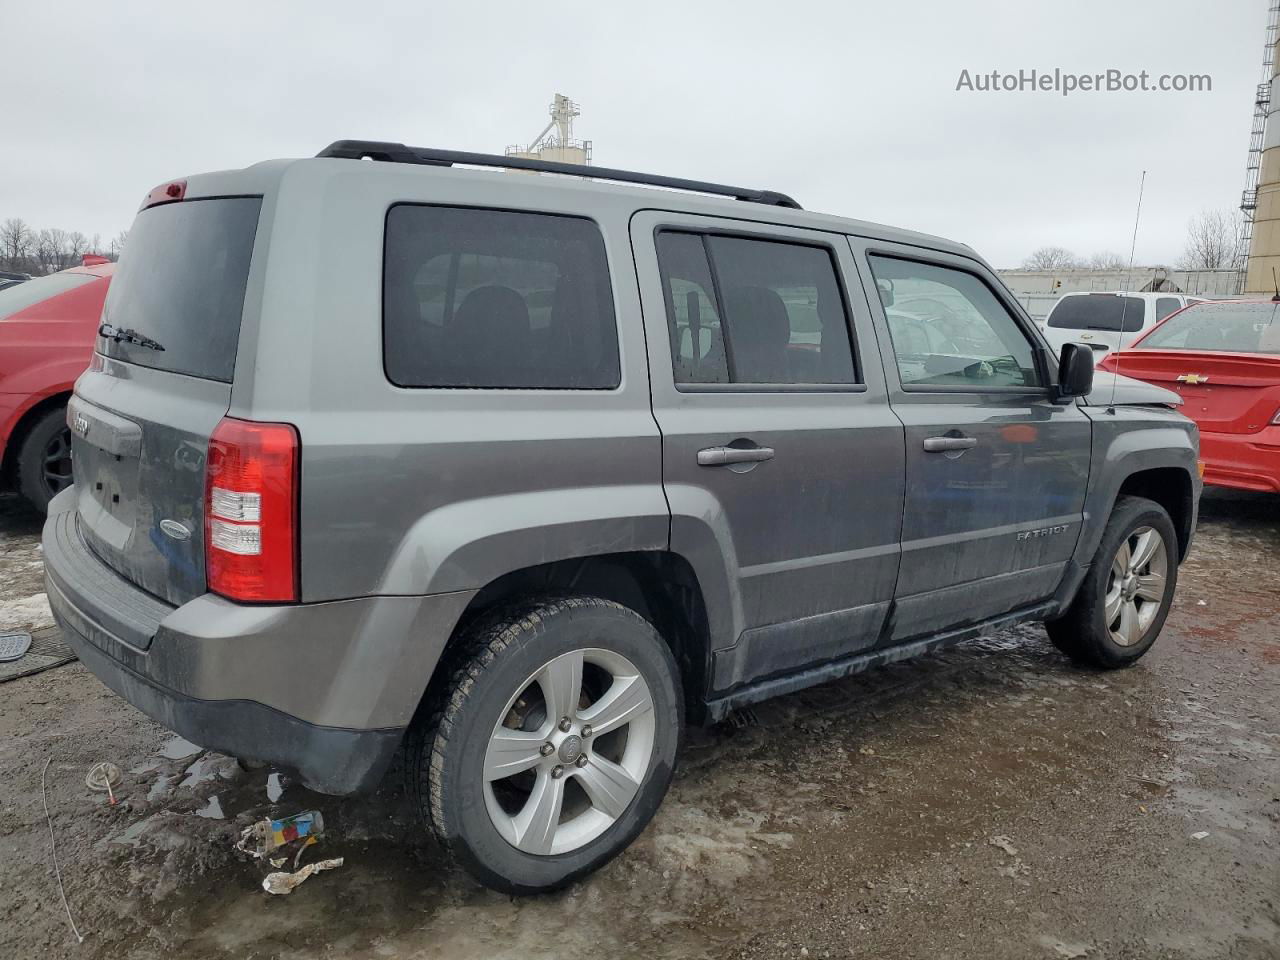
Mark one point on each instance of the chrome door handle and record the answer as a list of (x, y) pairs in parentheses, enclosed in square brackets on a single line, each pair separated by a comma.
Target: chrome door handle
[(941, 444), (719, 456)]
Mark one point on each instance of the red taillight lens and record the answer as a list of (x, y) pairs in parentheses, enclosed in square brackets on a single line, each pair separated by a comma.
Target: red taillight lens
[(165, 193), (251, 511)]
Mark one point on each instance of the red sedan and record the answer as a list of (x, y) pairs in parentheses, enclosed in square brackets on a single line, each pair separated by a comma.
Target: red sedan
[(1224, 359), (47, 331)]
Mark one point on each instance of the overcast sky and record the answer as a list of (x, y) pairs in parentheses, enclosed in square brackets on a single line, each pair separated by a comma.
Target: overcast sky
[(852, 108)]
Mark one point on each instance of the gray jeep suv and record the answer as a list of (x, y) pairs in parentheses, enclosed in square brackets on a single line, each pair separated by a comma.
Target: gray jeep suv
[(521, 472)]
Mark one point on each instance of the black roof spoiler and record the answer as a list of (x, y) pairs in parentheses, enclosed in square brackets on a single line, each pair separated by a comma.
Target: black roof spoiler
[(399, 153)]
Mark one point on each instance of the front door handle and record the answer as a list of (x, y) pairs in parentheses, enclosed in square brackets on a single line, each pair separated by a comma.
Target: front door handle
[(942, 444), (719, 456)]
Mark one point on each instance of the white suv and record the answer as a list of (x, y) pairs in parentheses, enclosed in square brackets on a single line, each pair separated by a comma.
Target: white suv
[(1100, 320)]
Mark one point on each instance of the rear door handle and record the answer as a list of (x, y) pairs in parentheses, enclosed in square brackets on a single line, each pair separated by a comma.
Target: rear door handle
[(942, 444), (719, 456)]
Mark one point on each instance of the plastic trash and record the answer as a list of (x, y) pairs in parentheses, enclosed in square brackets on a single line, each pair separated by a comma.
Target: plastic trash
[(259, 839), (103, 777), (283, 883)]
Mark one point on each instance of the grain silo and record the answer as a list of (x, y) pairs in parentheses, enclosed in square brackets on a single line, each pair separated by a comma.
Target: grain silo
[(1263, 202), (556, 142)]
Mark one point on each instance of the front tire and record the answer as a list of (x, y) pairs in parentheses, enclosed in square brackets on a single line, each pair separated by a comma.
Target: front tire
[(553, 745), (1124, 600)]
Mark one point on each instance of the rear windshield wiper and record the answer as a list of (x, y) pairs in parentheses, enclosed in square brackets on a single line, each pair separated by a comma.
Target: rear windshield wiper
[(127, 336)]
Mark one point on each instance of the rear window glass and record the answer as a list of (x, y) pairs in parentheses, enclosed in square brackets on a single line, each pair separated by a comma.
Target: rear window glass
[(492, 298), (1099, 311), (1227, 327), (180, 286), (29, 292)]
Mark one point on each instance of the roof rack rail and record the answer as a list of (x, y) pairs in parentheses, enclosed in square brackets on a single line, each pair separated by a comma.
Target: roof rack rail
[(399, 153)]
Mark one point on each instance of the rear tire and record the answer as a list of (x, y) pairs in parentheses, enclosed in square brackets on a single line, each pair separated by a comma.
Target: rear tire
[(552, 745), (44, 459), (1125, 597)]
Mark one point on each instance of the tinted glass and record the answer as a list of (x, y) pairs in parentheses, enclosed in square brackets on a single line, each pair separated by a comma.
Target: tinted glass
[(783, 316), (1099, 311), (1227, 327), (181, 284), (19, 296), (949, 329), (488, 298), (1166, 306), (693, 316)]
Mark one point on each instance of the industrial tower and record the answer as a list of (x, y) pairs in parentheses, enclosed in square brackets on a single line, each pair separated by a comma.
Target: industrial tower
[(560, 145), (1260, 230)]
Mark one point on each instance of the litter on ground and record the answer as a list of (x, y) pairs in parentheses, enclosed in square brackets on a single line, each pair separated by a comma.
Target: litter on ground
[(283, 883)]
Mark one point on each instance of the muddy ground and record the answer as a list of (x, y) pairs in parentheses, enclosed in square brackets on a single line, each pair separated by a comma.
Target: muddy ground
[(992, 801)]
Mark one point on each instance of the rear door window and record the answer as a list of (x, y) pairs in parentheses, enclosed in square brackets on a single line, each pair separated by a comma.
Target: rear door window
[(743, 310), (1099, 311), (495, 298), (1165, 306), (180, 287)]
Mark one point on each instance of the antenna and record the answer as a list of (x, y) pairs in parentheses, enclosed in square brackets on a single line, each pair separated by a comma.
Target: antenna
[(1111, 407), (1276, 298)]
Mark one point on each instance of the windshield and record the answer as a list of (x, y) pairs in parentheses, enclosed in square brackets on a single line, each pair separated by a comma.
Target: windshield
[(179, 291), (1099, 311), (30, 292), (1226, 327)]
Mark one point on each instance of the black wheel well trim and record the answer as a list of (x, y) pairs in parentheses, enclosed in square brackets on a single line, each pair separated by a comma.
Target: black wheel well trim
[(659, 585), (1173, 488)]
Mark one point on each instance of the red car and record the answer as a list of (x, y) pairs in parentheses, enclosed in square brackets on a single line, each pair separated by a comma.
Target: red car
[(1224, 359), (47, 330)]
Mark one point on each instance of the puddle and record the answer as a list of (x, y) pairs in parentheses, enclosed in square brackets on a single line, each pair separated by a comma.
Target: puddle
[(211, 810), (275, 789), (160, 788)]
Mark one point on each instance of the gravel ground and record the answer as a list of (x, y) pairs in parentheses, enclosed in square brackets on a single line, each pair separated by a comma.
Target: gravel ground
[(992, 801)]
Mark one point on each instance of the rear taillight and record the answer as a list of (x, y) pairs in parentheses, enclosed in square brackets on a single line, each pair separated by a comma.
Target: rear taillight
[(1275, 421), (165, 193), (251, 511)]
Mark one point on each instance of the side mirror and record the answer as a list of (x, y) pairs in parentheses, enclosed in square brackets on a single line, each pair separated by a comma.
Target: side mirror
[(1075, 371), (886, 292)]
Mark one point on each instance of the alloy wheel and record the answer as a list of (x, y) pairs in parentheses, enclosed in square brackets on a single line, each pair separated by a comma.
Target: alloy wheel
[(56, 463), (569, 752), (1136, 585)]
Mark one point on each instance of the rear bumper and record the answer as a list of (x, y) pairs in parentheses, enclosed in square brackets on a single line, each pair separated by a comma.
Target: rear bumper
[(325, 689), (1248, 461)]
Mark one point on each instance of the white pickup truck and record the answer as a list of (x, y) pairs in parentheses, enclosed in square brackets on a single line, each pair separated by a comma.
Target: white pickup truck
[(1100, 319)]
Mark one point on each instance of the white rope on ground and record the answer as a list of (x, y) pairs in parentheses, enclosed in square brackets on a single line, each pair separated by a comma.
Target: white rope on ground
[(53, 846)]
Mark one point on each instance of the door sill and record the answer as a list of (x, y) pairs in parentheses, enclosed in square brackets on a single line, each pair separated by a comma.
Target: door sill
[(721, 707)]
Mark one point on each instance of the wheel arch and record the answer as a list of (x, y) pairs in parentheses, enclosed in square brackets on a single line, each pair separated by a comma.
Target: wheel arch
[(1172, 488), (659, 585), (22, 427)]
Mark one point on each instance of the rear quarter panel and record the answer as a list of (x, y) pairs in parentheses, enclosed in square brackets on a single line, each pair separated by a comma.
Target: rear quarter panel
[(420, 491)]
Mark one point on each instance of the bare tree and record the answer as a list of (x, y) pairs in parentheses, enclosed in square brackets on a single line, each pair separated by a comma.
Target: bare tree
[(1051, 258), (48, 247), (1107, 260), (1213, 241), (15, 243), (73, 250), (117, 245)]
